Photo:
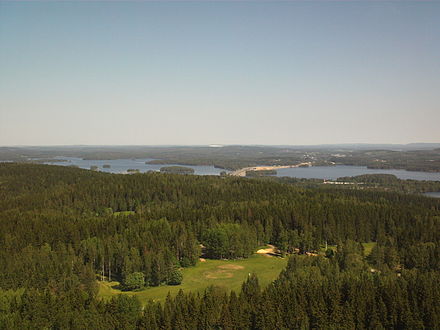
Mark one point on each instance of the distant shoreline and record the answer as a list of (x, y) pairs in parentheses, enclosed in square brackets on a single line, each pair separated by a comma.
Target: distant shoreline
[(242, 171)]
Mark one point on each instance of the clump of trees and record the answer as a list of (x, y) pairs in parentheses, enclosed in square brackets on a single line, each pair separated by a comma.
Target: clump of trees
[(134, 281), (229, 241), (137, 280)]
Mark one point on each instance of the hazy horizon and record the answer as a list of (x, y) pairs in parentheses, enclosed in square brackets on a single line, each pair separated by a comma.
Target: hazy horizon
[(230, 73), (217, 145)]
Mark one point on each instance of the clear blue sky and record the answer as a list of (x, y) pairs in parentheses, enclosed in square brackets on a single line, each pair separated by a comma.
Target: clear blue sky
[(219, 72)]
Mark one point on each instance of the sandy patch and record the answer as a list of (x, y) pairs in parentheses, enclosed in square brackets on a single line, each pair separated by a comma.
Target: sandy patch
[(218, 274), (230, 267), (223, 271), (269, 250)]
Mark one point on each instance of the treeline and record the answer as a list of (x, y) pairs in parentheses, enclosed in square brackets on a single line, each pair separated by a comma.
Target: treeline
[(259, 173), (391, 182), (62, 228), (177, 170), (411, 160), (374, 182)]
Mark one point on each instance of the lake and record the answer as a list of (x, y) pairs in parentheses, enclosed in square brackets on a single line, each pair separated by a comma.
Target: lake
[(122, 165), (317, 172), (435, 194), (334, 172)]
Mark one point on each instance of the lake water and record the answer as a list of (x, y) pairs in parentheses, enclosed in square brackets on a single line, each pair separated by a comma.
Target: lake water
[(334, 172), (122, 165), (317, 172), (433, 194)]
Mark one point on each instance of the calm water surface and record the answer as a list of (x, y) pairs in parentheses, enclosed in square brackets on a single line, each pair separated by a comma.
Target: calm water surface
[(433, 194), (334, 172), (314, 172), (122, 165)]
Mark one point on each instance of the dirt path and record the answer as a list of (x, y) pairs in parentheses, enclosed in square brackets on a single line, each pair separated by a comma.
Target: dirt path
[(270, 251)]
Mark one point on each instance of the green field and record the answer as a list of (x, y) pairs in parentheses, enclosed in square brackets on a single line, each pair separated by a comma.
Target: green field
[(368, 247), (124, 213), (229, 274)]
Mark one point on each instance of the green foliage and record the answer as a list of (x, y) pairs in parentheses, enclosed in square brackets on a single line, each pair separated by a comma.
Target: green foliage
[(58, 235), (177, 170), (329, 253), (229, 241), (175, 277), (228, 274), (260, 173), (134, 281)]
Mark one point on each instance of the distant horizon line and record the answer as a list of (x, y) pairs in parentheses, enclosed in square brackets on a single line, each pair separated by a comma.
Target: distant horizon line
[(217, 145)]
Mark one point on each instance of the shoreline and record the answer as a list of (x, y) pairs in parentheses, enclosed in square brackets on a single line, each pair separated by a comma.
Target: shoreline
[(242, 172)]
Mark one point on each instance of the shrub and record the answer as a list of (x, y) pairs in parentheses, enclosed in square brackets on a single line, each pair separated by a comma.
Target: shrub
[(175, 277)]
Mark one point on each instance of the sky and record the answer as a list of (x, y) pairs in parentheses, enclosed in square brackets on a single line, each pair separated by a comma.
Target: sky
[(227, 72)]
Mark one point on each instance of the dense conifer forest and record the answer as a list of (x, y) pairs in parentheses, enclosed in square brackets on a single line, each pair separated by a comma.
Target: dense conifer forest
[(63, 229)]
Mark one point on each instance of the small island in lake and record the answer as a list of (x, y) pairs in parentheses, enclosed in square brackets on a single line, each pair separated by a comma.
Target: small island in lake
[(177, 170), (106, 166)]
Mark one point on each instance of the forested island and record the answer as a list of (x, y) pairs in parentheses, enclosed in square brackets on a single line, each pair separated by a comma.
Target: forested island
[(177, 170), (64, 231)]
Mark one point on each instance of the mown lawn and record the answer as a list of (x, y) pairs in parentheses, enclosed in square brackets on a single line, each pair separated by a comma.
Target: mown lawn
[(229, 274)]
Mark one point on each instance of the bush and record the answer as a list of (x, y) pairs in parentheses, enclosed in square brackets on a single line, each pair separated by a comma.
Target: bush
[(175, 277)]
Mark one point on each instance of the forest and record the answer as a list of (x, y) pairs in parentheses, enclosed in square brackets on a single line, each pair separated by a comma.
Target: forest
[(177, 170), (64, 229)]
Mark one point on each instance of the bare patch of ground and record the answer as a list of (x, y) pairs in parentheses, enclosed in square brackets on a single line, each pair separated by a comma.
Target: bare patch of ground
[(223, 271), (218, 274), (230, 267), (270, 251)]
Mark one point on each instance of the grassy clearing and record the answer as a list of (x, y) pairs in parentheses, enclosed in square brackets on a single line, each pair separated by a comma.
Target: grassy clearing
[(368, 247), (229, 274), (124, 213)]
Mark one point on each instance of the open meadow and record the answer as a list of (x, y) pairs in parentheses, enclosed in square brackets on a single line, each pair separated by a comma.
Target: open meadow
[(229, 274)]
